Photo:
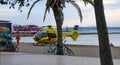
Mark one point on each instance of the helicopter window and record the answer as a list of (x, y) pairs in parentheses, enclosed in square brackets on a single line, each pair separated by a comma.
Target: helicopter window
[(52, 35), (41, 34), (44, 34)]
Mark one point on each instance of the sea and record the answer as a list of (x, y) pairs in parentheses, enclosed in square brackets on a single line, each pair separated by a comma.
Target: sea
[(85, 39)]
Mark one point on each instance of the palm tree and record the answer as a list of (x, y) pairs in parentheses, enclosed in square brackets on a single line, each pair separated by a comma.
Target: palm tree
[(57, 7), (59, 17), (104, 46)]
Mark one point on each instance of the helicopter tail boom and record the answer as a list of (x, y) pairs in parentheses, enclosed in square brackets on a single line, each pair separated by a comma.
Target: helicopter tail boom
[(74, 33)]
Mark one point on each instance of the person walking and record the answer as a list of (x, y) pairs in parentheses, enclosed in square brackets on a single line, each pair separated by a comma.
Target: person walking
[(17, 39)]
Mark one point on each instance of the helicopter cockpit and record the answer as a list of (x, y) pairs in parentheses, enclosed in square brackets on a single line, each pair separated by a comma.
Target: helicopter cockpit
[(40, 35)]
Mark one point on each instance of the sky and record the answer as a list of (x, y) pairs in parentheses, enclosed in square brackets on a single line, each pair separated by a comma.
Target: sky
[(71, 18)]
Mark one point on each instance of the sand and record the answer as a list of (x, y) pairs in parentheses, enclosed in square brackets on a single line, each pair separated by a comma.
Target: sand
[(79, 50)]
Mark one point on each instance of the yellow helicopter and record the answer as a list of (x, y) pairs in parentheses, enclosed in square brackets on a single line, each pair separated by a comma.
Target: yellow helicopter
[(49, 36)]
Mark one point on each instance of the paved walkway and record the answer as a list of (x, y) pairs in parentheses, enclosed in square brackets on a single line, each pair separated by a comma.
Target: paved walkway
[(79, 50), (40, 59)]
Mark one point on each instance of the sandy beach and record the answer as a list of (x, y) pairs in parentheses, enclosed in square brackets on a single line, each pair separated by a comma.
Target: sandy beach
[(79, 50)]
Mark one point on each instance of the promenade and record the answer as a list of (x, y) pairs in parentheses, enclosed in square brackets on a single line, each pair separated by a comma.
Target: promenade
[(34, 55), (79, 50), (40, 59)]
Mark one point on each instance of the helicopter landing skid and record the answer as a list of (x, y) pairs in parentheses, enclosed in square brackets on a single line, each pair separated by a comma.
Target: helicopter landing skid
[(42, 44), (38, 44)]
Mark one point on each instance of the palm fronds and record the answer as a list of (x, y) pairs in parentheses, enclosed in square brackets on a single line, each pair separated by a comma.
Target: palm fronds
[(3, 2), (78, 9), (47, 9), (77, 6), (88, 1), (21, 4), (51, 4), (32, 7)]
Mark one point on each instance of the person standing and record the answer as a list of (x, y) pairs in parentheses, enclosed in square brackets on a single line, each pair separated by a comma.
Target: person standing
[(17, 39)]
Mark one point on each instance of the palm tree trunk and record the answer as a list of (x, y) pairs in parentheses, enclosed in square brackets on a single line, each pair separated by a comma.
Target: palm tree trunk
[(59, 21), (104, 46)]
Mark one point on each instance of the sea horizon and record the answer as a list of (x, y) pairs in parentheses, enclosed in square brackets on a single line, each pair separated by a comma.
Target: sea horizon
[(85, 39), (88, 36)]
